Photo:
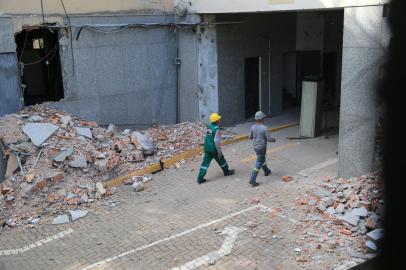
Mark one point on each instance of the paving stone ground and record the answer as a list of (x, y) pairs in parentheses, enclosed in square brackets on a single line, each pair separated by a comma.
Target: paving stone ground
[(174, 205)]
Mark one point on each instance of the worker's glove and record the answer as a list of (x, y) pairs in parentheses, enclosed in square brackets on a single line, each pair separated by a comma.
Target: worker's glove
[(273, 140)]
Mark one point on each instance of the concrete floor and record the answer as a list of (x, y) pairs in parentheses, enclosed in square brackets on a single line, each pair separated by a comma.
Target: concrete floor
[(291, 115), (175, 221)]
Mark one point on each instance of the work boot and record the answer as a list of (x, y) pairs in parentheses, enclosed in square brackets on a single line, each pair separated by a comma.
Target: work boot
[(253, 180), (229, 172), (201, 181), (254, 184), (267, 171)]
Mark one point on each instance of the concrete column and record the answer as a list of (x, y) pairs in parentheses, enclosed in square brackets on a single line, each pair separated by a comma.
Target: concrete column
[(207, 71), (364, 50)]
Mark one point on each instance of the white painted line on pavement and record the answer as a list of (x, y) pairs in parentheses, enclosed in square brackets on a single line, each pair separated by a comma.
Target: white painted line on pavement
[(266, 208), (319, 166), (100, 263), (36, 244), (226, 248)]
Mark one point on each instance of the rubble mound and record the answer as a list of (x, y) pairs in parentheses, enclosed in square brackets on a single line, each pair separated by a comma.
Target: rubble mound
[(348, 208), (56, 161)]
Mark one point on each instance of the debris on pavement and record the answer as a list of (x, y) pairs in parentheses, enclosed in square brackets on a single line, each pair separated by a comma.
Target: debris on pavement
[(76, 214), (58, 162), (39, 132), (138, 186), (350, 213), (100, 188), (147, 146), (85, 132), (62, 219), (287, 178)]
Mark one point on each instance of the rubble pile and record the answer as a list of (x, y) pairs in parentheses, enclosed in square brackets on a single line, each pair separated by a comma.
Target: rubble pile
[(172, 140), (57, 163), (347, 214)]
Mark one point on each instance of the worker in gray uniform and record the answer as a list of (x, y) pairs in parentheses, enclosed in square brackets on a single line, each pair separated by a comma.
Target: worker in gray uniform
[(261, 136)]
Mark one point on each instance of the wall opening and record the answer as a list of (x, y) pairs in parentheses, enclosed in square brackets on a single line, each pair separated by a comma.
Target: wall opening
[(289, 92), (40, 65), (252, 86)]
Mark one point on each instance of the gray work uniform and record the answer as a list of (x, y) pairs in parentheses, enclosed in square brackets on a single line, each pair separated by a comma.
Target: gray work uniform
[(261, 136)]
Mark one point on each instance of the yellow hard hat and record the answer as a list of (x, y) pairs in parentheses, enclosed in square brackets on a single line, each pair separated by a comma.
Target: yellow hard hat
[(214, 117)]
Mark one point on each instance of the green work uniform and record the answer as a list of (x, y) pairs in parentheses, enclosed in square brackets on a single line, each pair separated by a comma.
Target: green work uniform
[(210, 152)]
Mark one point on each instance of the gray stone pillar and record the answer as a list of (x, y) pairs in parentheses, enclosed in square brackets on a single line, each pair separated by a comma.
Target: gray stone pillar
[(207, 71), (364, 48)]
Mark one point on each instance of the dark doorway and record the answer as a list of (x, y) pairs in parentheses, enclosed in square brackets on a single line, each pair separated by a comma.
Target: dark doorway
[(289, 92), (251, 86), (308, 65), (330, 76), (38, 55)]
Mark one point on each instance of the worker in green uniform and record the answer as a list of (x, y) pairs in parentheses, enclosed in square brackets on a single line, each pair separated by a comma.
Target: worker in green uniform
[(212, 149)]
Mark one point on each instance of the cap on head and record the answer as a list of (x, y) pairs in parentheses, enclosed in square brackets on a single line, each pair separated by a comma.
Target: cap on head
[(259, 115), (214, 117)]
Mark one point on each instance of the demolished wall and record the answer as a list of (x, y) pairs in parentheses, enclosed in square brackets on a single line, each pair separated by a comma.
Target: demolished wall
[(58, 162), (126, 77), (121, 75), (83, 7)]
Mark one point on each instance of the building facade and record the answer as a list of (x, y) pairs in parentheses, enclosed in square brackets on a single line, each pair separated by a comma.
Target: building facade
[(137, 63)]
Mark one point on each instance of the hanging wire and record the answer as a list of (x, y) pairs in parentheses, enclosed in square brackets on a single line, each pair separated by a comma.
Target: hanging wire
[(70, 36), (42, 11), (49, 56)]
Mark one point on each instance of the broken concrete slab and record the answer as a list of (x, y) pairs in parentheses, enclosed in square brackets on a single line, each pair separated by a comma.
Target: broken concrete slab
[(144, 141), (34, 221), (101, 165), (375, 235), (39, 132), (371, 247), (321, 193), (85, 132), (65, 120), (138, 186), (64, 154), (312, 203), (20, 115), (362, 229), (111, 129), (35, 118), (327, 201), (78, 162), (76, 214), (350, 219), (70, 195), (331, 211), (372, 222), (361, 212), (100, 188), (135, 156), (12, 165), (340, 208), (55, 177), (322, 207), (62, 219), (126, 132)]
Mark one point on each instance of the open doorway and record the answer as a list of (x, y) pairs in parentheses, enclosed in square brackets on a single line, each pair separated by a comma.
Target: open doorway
[(38, 55), (252, 86), (289, 93)]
